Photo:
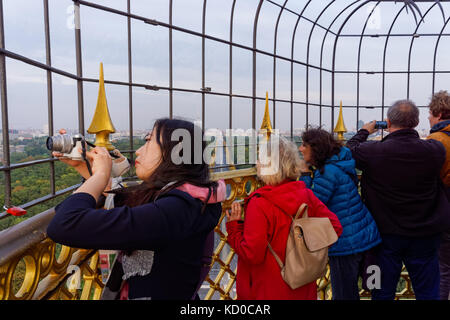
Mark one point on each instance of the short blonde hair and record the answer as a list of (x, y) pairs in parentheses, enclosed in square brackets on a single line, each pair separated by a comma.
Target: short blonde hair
[(286, 161)]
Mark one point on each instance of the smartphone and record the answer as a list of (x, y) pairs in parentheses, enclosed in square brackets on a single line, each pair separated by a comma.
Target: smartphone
[(380, 125)]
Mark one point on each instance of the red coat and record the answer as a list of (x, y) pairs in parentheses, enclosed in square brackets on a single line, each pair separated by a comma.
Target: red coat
[(258, 276)]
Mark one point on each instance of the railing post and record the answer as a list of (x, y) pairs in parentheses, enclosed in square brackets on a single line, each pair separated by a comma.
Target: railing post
[(4, 101), (79, 67), (48, 61)]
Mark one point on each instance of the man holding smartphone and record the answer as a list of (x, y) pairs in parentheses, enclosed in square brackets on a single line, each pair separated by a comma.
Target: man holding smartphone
[(400, 187)]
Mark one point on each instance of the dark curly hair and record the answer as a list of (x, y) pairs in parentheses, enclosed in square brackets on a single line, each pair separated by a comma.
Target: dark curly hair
[(323, 146)]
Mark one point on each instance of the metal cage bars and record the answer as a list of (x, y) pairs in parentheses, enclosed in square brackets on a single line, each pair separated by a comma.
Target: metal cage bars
[(8, 167)]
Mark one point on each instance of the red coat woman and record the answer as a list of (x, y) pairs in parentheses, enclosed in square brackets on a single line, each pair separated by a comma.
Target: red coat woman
[(258, 276)]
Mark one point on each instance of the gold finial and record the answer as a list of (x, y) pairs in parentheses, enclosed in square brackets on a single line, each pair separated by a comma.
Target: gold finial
[(101, 124), (266, 120), (340, 126)]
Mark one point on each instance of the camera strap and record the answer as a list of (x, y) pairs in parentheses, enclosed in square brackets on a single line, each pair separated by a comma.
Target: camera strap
[(83, 149)]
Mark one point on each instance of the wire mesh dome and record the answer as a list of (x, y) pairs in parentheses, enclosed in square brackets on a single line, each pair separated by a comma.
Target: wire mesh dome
[(210, 61)]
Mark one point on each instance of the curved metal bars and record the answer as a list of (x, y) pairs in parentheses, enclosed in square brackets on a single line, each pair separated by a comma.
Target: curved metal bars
[(292, 68), (255, 30), (130, 81), (170, 60), (333, 67), (296, 13), (384, 62), (321, 55), (410, 48), (359, 59), (275, 38), (307, 59), (230, 89), (435, 53), (203, 64)]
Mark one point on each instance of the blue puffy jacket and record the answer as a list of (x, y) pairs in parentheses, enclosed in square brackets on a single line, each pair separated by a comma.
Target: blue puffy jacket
[(337, 190)]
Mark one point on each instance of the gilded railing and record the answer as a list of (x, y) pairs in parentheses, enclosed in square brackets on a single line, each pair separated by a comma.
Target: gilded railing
[(240, 184), (34, 267)]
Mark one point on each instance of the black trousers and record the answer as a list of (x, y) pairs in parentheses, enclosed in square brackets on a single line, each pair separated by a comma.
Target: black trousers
[(420, 256), (444, 266), (344, 272)]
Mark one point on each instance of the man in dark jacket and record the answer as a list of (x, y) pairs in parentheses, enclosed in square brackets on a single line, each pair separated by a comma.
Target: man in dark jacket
[(400, 187)]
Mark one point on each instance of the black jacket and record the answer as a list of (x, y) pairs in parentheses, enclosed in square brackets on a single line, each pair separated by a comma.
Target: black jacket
[(400, 182), (172, 226)]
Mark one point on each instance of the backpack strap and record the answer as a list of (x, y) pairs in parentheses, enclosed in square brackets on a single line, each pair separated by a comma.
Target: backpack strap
[(280, 263), (303, 208)]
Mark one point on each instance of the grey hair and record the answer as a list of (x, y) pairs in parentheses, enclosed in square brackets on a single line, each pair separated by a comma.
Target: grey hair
[(403, 114), (287, 164)]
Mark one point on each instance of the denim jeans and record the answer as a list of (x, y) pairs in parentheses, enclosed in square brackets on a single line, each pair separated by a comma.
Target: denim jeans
[(344, 272), (444, 266), (420, 256)]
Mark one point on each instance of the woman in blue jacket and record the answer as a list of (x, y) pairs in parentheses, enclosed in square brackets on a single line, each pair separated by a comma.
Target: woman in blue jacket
[(161, 226), (334, 182)]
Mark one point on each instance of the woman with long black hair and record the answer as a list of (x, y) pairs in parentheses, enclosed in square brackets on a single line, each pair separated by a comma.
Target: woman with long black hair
[(160, 226)]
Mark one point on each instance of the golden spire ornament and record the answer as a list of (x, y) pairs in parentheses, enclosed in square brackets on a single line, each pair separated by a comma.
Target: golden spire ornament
[(340, 126), (101, 124), (266, 120)]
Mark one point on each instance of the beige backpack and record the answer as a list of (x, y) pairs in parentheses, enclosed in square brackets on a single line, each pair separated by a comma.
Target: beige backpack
[(306, 248)]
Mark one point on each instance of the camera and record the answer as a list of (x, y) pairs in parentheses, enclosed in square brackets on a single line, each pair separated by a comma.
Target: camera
[(380, 125), (66, 144), (69, 146)]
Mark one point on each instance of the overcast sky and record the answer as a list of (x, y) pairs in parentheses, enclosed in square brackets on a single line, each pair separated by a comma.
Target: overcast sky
[(104, 39)]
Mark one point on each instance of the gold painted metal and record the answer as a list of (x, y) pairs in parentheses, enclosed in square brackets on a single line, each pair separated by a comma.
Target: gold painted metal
[(101, 124), (266, 126), (44, 276), (242, 182), (340, 126)]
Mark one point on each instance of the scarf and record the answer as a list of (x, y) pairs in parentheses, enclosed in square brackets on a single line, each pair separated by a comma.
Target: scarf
[(140, 262)]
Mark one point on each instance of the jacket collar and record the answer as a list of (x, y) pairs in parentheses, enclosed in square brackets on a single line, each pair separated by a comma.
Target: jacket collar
[(439, 126), (402, 133)]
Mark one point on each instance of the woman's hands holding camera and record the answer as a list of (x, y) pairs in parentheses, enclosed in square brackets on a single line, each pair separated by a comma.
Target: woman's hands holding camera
[(101, 161), (101, 164), (101, 172), (79, 166)]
